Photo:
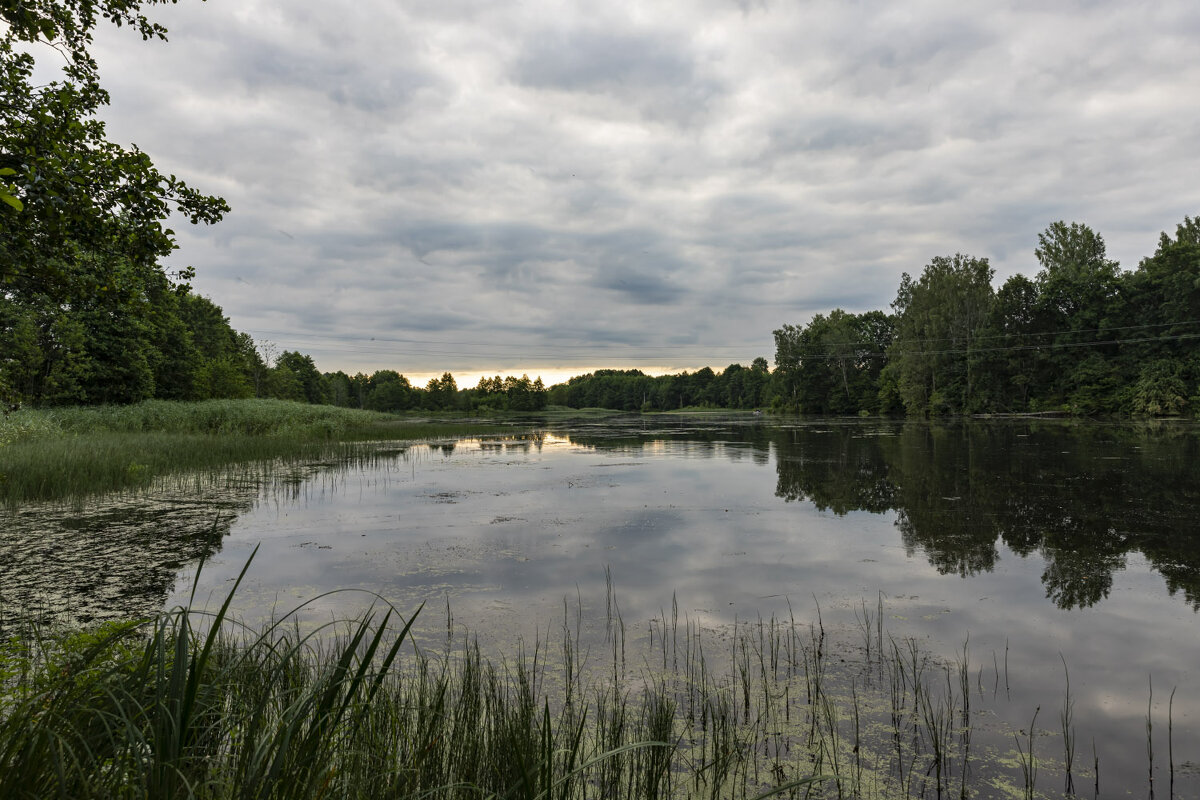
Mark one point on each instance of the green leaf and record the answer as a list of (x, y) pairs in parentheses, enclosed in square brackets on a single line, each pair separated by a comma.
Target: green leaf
[(12, 201)]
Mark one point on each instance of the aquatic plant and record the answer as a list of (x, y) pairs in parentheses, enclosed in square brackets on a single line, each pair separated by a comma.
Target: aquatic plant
[(73, 453), (190, 705)]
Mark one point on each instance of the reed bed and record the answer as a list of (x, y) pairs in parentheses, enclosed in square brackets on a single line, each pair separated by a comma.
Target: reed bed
[(189, 705), (244, 417), (185, 707), (70, 454)]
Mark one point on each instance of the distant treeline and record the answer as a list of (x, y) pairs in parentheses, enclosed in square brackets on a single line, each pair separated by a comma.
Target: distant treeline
[(1081, 337), (388, 390), (634, 390)]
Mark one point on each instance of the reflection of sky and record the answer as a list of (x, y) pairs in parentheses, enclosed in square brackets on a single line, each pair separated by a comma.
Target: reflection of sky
[(508, 532)]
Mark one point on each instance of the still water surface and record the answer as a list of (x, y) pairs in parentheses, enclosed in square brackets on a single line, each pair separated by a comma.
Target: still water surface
[(1039, 542)]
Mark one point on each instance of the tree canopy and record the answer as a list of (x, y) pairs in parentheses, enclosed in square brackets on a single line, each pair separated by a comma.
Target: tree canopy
[(1080, 337), (70, 187), (82, 218)]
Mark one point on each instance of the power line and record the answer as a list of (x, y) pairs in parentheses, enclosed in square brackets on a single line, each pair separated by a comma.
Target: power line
[(348, 343), (359, 343), (400, 348), (522, 355), (1014, 335), (831, 354)]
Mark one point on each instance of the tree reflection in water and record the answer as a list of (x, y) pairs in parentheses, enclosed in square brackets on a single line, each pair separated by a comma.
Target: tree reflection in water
[(1083, 496)]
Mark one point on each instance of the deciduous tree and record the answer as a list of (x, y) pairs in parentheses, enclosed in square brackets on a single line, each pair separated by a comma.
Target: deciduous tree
[(68, 195), (938, 319)]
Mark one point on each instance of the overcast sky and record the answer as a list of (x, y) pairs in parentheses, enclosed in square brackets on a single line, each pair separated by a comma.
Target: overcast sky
[(503, 187)]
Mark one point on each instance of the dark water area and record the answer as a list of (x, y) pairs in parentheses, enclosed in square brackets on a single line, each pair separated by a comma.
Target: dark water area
[(1041, 547)]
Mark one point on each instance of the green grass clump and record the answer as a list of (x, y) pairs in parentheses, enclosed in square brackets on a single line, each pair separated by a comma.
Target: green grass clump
[(70, 454), (27, 426), (169, 708)]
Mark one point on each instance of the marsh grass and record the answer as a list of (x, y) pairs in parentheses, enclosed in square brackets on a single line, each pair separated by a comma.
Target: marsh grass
[(71, 454), (241, 417), (193, 705)]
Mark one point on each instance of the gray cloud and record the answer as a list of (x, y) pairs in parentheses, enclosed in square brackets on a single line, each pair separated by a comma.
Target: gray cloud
[(581, 60), (623, 185), (651, 72), (639, 287)]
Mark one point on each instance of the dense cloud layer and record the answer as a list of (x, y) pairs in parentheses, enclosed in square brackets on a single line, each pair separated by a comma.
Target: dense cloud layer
[(481, 186)]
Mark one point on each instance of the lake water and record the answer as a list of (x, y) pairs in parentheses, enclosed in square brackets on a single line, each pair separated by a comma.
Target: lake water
[(1039, 543)]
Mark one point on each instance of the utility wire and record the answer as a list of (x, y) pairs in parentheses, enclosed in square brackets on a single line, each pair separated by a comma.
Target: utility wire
[(1013, 335), (829, 355), (344, 343), (352, 342)]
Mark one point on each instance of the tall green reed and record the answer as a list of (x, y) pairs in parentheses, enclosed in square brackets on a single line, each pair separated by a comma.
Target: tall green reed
[(71, 454), (191, 705)]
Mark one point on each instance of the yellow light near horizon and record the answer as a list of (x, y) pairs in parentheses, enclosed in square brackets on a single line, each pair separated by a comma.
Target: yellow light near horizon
[(549, 375)]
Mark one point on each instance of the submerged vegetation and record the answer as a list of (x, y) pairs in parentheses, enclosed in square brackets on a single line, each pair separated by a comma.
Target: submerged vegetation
[(191, 705), (73, 453)]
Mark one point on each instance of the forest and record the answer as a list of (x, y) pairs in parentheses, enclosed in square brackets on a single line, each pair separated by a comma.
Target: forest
[(1081, 337), (155, 339)]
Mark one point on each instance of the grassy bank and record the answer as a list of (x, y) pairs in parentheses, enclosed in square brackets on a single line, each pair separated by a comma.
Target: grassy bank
[(70, 454)]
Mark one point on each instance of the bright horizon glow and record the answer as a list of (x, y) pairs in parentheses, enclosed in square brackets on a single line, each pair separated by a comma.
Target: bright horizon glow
[(369, 354), (549, 375)]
